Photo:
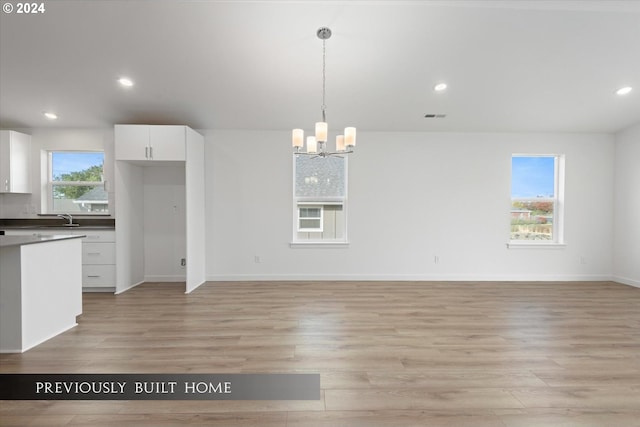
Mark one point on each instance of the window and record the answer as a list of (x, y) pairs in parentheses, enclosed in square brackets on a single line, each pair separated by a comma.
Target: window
[(319, 198), (536, 198), (76, 182), (310, 218)]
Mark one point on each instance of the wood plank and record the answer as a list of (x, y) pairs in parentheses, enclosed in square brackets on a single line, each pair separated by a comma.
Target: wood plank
[(415, 398), (389, 353)]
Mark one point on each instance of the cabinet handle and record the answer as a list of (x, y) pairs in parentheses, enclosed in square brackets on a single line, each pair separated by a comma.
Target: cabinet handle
[(93, 276), (151, 152), (93, 253), (6, 185), (146, 152)]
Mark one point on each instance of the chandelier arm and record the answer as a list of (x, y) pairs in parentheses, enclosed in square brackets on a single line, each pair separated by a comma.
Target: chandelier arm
[(324, 154)]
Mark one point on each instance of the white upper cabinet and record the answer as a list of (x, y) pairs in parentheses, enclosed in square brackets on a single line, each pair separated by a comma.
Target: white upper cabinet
[(148, 142), (132, 142), (167, 142), (15, 158)]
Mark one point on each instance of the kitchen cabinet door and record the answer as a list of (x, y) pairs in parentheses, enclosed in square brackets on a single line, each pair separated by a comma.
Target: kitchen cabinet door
[(15, 159), (167, 143), (132, 142)]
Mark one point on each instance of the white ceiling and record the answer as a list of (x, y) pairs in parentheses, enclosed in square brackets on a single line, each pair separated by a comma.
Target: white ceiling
[(542, 66)]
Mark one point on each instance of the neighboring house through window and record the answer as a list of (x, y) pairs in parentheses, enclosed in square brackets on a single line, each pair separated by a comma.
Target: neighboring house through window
[(76, 182), (537, 198), (320, 195)]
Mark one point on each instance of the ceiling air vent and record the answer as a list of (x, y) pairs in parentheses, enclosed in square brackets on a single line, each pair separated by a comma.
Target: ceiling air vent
[(435, 116)]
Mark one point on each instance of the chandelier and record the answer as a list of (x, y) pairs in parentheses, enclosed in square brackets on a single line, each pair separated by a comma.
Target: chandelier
[(316, 145)]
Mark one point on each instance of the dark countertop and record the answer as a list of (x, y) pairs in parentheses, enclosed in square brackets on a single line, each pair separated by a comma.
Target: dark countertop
[(53, 222), (6, 241), (56, 228)]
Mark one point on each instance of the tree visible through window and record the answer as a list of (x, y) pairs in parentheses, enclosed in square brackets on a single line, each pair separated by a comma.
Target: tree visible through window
[(76, 182), (535, 198)]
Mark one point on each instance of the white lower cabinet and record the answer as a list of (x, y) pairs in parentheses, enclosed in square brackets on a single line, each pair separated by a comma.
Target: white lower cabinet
[(98, 260), (98, 276), (98, 256), (98, 253)]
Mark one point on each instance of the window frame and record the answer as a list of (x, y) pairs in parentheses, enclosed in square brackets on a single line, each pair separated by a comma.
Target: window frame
[(558, 204), (320, 217), (321, 202), (50, 184)]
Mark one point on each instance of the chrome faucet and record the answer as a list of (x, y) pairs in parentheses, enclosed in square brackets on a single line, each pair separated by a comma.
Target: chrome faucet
[(68, 217)]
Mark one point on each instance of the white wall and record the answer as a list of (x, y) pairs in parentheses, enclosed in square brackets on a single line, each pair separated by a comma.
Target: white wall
[(412, 196), (42, 140), (626, 254), (164, 223), (196, 222), (130, 227)]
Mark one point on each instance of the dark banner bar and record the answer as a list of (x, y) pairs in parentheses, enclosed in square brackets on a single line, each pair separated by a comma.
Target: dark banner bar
[(159, 386)]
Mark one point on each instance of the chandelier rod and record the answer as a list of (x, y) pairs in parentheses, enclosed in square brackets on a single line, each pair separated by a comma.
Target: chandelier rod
[(323, 35)]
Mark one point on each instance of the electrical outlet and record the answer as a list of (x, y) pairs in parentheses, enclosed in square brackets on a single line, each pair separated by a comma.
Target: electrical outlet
[(257, 259), (583, 260), (436, 259)]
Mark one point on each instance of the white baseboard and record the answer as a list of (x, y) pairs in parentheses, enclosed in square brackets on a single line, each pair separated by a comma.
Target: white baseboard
[(88, 290), (409, 277), (172, 279), (626, 281), (188, 291), (40, 341), (165, 278), (11, 350), (119, 291)]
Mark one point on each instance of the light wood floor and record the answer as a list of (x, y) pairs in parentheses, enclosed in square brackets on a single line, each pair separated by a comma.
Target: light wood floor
[(389, 353)]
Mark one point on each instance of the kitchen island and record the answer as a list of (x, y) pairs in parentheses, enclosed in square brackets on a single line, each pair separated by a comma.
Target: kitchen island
[(40, 288)]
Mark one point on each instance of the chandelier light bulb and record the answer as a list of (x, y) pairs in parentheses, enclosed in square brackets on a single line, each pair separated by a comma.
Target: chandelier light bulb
[(312, 145), (321, 131), (350, 137), (297, 137)]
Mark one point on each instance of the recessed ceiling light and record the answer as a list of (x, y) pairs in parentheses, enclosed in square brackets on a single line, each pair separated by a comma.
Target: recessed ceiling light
[(440, 87), (624, 90), (49, 115), (125, 81)]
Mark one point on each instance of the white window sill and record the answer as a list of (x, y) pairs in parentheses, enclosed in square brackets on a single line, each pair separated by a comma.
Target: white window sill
[(319, 245), (531, 245)]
